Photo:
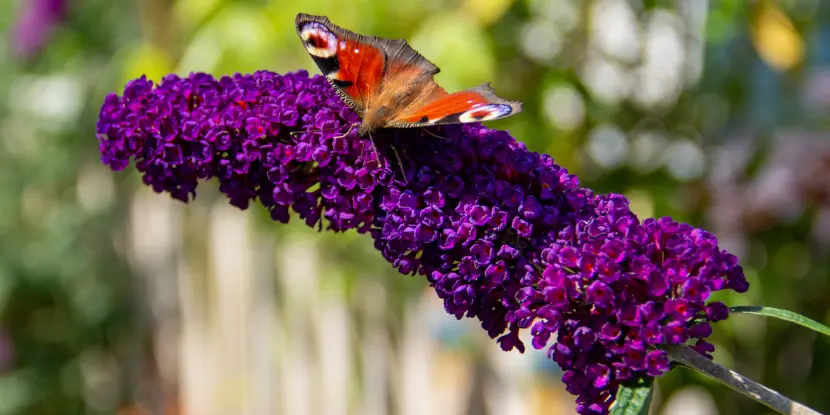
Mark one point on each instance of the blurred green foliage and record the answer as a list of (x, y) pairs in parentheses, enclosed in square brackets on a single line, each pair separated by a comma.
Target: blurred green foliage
[(713, 112)]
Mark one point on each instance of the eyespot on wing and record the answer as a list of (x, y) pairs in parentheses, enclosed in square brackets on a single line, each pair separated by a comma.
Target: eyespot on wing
[(485, 113), (318, 39)]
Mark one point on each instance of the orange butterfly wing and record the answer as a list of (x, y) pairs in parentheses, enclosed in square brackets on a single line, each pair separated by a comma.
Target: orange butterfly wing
[(355, 64), (471, 105), (362, 67)]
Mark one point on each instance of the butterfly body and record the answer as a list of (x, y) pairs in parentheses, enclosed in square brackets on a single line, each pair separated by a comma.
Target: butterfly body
[(389, 84)]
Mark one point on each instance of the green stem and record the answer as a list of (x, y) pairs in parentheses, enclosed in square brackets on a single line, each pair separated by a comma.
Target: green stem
[(745, 386)]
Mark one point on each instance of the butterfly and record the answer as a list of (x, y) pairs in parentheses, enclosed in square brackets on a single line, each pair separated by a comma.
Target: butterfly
[(389, 84)]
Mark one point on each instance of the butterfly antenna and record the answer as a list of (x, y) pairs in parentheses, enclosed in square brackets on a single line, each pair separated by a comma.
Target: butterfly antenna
[(322, 130), (434, 135), (347, 132), (296, 133)]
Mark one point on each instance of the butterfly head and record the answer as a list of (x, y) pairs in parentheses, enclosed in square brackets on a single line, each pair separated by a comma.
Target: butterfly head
[(364, 129), (375, 118)]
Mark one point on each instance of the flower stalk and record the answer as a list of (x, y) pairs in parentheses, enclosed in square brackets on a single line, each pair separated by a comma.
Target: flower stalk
[(740, 383)]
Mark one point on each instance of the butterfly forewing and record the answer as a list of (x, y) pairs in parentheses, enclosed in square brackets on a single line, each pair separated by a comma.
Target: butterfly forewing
[(388, 83), (353, 63)]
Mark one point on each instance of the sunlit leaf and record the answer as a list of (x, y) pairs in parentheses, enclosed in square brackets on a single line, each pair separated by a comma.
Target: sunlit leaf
[(783, 315), (633, 399), (487, 11), (775, 38), (146, 59), (191, 13)]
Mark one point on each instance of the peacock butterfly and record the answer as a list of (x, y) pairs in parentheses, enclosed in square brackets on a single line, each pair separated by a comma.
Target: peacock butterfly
[(389, 84)]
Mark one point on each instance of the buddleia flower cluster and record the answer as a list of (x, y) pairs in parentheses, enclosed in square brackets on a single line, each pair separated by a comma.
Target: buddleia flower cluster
[(502, 234)]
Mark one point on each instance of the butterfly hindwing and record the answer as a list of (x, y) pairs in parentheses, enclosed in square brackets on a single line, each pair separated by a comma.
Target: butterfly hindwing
[(471, 105), (356, 64)]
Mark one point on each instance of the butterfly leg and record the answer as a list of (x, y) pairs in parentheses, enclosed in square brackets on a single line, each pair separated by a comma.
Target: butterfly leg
[(375, 148), (400, 163), (363, 149), (434, 135)]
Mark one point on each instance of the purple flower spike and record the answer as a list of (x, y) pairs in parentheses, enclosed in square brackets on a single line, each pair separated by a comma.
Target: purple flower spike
[(502, 234), (34, 26)]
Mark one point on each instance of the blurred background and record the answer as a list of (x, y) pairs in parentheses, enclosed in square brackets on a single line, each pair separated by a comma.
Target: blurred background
[(116, 300)]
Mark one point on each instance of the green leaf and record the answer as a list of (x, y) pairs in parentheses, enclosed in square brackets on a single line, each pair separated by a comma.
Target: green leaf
[(633, 399), (783, 315)]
